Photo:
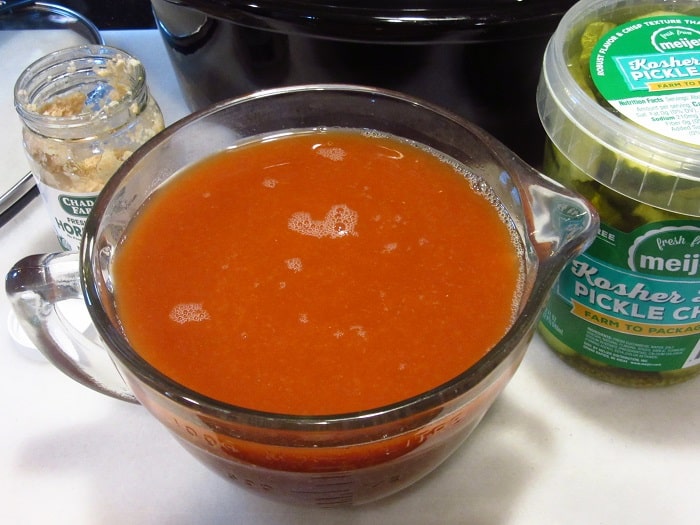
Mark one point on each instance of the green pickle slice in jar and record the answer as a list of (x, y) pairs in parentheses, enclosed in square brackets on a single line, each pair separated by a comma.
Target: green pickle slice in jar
[(625, 214), (614, 204)]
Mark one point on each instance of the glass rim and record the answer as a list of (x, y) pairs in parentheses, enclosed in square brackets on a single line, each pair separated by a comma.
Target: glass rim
[(75, 66)]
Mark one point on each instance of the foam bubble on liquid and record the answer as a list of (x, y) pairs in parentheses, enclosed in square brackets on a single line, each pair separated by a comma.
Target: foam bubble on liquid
[(188, 313), (331, 153), (359, 330), (270, 183), (389, 247), (340, 221), (294, 264)]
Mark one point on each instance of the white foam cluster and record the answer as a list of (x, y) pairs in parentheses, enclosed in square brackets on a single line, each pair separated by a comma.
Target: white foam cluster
[(331, 153), (340, 221), (359, 331), (294, 264), (269, 183), (188, 313), (390, 247)]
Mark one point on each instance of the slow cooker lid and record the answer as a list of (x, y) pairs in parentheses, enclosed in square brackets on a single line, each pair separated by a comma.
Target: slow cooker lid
[(393, 20)]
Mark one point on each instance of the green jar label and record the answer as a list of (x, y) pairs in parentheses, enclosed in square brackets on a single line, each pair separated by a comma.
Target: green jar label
[(633, 299), (76, 205), (69, 212), (648, 69)]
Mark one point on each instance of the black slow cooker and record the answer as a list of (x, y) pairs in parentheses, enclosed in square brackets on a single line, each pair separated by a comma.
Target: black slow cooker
[(480, 59)]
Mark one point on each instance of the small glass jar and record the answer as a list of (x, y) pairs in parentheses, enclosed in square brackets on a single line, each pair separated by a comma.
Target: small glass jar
[(84, 111)]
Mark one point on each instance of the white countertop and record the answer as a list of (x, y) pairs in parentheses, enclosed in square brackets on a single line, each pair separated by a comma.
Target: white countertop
[(556, 448)]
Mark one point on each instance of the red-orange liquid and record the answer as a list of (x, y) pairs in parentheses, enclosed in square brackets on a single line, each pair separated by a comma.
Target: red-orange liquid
[(316, 274)]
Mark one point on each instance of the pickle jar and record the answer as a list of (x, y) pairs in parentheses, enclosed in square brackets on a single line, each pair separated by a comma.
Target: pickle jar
[(84, 110), (619, 98)]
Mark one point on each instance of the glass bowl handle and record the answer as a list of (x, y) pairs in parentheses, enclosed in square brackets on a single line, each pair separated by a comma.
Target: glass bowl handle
[(37, 286)]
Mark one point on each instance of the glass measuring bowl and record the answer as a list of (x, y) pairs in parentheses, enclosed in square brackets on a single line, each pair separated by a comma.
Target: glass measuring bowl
[(331, 460)]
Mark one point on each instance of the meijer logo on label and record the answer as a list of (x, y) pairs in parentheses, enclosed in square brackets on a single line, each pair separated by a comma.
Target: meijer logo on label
[(670, 251)]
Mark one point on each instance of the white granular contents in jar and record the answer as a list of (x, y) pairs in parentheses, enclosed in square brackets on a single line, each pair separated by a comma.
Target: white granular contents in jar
[(84, 166)]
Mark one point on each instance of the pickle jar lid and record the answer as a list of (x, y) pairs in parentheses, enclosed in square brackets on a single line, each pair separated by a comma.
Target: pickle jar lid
[(619, 96)]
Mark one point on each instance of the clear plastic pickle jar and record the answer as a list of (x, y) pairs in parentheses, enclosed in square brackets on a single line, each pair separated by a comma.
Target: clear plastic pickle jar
[(619, 98), (84, 111)]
